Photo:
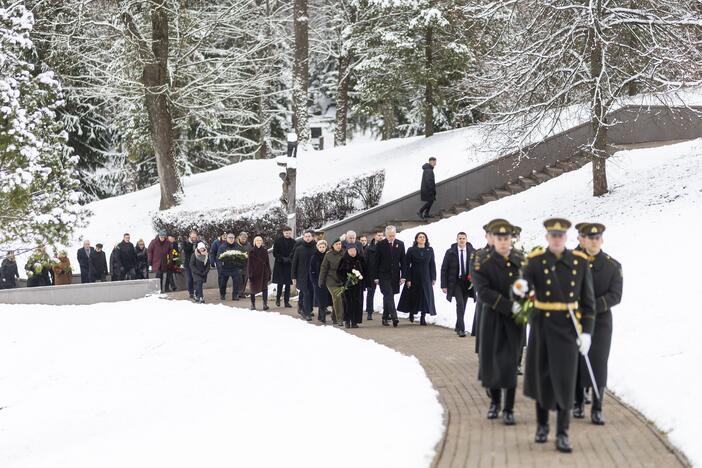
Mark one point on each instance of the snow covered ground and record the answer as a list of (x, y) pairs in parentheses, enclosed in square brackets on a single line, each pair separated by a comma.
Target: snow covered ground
[(653, 217), (161, 383)]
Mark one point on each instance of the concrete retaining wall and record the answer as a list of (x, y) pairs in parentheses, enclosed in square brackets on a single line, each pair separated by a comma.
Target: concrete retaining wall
[(81, 294)]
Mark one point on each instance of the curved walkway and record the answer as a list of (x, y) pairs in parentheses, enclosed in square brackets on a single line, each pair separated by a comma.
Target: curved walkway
[(472, 441)]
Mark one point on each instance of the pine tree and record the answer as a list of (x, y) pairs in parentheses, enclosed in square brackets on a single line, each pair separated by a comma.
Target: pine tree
[(39, 200)]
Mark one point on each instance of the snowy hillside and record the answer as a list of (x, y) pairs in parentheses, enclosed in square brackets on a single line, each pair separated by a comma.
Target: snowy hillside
[(655, 203), (157, 383)]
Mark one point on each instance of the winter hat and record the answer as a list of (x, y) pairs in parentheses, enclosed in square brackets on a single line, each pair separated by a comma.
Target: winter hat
[(162, 233), (201, 245), (338, 239)]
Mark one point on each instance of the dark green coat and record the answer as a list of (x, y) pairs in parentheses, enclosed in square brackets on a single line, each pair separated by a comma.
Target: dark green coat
[(475, 328), (608, 283), (500, 337), (552, 351)]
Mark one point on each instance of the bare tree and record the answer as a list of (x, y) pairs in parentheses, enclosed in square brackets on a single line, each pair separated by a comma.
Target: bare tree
[(301, 71), (557, 55)]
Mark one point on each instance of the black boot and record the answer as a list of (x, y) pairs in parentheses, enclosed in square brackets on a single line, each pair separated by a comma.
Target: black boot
[(265, 305), (508, 418), (288, 305), (277, 302), (411, 318), (354, 325), (322, 316), (541, 434), (493, 411), (563, 443), (347, 324), (253, 303), (422, 320), (385, 323), (596, 418), (578, 411), (395, 323), (370, 316)]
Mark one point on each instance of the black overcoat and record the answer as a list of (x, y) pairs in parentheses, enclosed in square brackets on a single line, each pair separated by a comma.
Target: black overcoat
[(449, 270), (428, 188), (353, 296), (552, 351), (282, 253), (322, 298), (421, 272), (302, 256), (475, 327), (389, 266), (500, 337), (608, 283)]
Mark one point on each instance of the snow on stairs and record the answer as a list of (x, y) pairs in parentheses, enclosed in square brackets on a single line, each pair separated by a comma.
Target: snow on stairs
[(516, 186)]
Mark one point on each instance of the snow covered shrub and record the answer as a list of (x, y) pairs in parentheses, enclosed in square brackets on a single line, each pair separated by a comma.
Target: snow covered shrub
[(313, 210), (38, 179)]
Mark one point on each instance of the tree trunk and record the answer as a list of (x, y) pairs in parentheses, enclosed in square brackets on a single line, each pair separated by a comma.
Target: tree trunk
[(156, 87), (301, 72), (342, 99), (633, 88), (429, 90), (598, 111), (387, 110)]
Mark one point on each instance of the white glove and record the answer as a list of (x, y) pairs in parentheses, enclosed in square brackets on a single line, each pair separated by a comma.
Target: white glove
[(584, 343), (520, 288), (516, 308)]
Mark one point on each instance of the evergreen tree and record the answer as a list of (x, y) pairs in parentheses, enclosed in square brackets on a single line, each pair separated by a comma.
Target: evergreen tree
[(38, 177)]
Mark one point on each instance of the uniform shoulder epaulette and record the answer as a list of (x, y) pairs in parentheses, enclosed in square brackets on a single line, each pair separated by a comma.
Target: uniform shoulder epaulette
[(610, 259), (580, 254), (536, 252)]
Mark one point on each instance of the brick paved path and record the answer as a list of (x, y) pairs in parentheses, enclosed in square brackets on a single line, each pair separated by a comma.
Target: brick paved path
[(473, 441)]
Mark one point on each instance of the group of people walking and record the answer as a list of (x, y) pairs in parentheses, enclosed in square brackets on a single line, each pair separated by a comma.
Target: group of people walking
[(567, 296)]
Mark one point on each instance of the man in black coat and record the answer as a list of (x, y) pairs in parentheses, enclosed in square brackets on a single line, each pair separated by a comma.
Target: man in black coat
[(500, 336), (8, 271), (282, 267), (428, 188), (300, 269), (98, 264), (608, 283), (455, 282), (369, 255), (187, 249), (127, 258), (83, 255), (562, 283), (389, 268)]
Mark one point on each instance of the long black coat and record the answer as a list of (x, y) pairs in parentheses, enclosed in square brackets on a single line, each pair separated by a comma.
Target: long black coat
[(282, 253), (302, 256), (84, 260), (369, 256), (187, 251), (500, 337), (98, 265), (389, 266), (450, 267), (353, 296), (141, 269), (8, 274), (322, 298), (428, 189), (608, 283), (421, 272), (552, 351), (115, 265), (475, 327), (127, 256), (198, 268)]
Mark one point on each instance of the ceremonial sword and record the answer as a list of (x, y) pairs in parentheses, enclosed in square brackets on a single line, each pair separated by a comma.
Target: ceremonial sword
[(587, 358)]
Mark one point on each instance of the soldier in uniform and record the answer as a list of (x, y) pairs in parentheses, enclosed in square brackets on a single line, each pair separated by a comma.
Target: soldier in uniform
[(608, 284), (500, 337), (562, 282)]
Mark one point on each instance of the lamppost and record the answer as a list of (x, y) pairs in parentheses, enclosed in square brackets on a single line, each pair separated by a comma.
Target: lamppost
[(289, 177)]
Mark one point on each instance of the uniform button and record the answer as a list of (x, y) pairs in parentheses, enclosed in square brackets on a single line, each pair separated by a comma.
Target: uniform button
[(575, 262), (548, 314), (509, 264), (572, 294), (546, 271), (509, 274), (572, 283), (543, 262), (575, 272), (548, 281), (548, 293)]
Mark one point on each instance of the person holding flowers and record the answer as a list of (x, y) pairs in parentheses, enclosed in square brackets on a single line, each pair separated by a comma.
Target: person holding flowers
[(63, 274), (501, 338), (233, 260), (352, 269), (38, 269)]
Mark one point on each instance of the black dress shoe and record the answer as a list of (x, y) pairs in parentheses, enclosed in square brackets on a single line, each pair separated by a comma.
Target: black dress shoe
[(288, 305), (411, 318), (308, 318), (395, 323), (462, 334), (508, 418), (370, 316), (354, 325), (563, 444), (347, 325), (420, 214), (277, 303), (265, 307), (221, 297), (578, 412), (385, 323), (423, 322), (493, 411), (541, 434), (596, 418)]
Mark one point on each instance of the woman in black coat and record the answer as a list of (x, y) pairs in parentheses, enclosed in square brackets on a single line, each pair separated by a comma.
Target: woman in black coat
[(200, 268), (115, 265), (322, 299), (353, 295), (282, 268), (418, 293), (142, 261), (8, 272)]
